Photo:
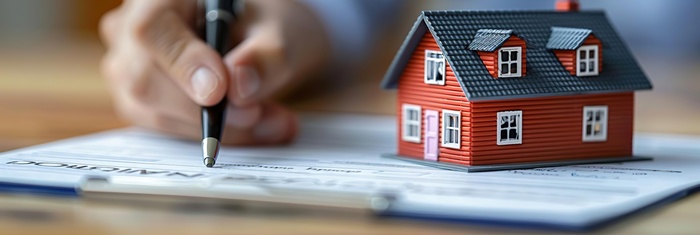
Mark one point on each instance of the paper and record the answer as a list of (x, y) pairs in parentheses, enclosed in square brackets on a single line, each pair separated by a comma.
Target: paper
[(341, 153)]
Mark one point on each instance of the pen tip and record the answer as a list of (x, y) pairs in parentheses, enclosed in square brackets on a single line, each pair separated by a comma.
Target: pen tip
[(210, 150), (209, 162)]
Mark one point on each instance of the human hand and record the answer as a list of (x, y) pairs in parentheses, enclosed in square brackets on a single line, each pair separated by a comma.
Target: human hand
[(160, 72)]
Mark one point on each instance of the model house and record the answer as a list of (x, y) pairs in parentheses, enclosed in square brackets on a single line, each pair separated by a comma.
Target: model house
[(502, 87)]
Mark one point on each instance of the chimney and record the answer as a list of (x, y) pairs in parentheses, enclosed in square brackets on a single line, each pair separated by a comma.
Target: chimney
[(567, 5)]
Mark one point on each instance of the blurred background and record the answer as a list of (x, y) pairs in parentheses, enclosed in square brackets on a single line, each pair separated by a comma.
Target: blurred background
[(51, 88), (50, 85)]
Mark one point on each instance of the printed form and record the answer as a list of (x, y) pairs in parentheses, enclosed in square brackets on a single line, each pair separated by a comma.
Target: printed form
[(341, 153)]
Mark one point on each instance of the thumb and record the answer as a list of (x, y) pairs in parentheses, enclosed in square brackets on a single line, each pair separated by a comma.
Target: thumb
[(196, 68)]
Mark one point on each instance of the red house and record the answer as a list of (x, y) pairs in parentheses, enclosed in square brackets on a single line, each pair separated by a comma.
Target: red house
[(506, 89)]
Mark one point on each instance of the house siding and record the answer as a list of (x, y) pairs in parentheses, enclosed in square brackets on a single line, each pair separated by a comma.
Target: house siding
[(552, 129), (552, 126), (413, 90), (568, 57), (490, 59)]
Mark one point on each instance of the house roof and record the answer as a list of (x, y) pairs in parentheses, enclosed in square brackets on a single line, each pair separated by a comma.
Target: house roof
[(454, 31), (489, 39), (567, 38)]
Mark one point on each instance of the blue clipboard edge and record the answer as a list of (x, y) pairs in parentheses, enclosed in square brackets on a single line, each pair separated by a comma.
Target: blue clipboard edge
[(45, 190)]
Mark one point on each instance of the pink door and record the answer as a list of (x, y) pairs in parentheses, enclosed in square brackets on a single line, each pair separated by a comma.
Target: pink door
[(431, 135)]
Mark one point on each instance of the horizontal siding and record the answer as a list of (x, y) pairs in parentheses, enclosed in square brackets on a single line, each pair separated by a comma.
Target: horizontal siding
[(489, 58), (552, 129), (552, 126), (413, 90), (567, 59)]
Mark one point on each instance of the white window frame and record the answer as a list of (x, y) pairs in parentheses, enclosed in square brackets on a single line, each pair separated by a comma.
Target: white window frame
[(519, 127), (407, 123), (603, 136), (519, 62), (441, 69), (586, 49), (446, 129)]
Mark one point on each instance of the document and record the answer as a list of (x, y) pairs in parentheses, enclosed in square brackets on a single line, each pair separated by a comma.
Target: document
[(341, 154)]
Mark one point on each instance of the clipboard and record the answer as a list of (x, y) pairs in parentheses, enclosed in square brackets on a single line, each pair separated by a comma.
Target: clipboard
[(147, 190), (391, 189)]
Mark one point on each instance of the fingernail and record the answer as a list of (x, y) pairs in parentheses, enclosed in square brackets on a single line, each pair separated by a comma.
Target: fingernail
[(272, 129), (247, 82), (242, 118), (204, 82)]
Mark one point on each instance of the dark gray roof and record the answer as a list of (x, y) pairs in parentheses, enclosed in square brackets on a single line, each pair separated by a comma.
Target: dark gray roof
[(454, 30), (489, 39), (567, 38)]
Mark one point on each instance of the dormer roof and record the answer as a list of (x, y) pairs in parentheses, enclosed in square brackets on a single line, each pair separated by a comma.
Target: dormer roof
[(563, 38), (454, 31), (489, 39)]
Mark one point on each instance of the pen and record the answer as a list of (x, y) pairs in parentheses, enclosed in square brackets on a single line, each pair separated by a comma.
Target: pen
[(220, 14)]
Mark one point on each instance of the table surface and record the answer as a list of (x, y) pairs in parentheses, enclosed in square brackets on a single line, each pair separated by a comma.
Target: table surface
[(66, 97)]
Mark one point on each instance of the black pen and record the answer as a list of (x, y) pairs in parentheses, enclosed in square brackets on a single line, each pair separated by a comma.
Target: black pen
[(220, 14)]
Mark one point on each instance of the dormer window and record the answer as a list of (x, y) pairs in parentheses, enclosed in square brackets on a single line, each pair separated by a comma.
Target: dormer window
[(434, 68), (578, 50), (501, 51), (509, 62), (587, 61)]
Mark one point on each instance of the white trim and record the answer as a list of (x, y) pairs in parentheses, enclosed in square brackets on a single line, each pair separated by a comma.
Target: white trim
[(595, 60), (519, 127), (519, 62), (603, 122), (406, 123), (458, 129), (428, 59)]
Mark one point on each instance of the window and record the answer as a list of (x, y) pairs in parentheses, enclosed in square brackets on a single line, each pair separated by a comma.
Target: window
[(587, 61), (434, 68), (509, 62), (510, 128), (411, 123), (595, 123), (451, 130)]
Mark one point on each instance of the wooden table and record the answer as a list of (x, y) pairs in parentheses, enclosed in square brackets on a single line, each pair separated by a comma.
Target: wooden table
[(55, 91)]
